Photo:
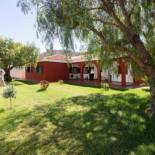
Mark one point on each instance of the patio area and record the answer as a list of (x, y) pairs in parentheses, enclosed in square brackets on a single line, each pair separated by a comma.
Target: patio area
[(95, 83)]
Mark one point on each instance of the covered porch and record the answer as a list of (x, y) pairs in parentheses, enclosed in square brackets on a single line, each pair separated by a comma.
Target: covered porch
[(85, 72), (97, 84)]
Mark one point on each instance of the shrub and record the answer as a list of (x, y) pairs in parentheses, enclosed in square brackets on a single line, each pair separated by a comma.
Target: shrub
[(44, 84), (105, 85), (60, 81), (9, 92)]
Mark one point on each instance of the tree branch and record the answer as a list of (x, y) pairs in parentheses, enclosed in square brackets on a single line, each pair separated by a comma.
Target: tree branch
[(130, 53), (130, 34), (105, 22), (125, 13), (95, 8)]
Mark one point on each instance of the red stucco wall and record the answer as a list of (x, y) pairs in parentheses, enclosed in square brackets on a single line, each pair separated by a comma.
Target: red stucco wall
[(52, 71), (56, 71)]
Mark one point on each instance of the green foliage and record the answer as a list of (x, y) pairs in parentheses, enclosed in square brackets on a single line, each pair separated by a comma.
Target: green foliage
[(98, 23), (105, 85), (111, 28), (9, 92), (76, 120), (44, 84), (13, 54), (60, 82)]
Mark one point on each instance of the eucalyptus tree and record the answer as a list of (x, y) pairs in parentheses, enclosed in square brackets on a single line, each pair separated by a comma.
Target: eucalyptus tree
[(13, 54), (111, 27)]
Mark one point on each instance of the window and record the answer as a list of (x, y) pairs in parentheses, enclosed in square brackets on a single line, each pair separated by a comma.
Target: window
[(29, 69), (70, 70), (77, 70), (39, 69), (87, 70), (74, 70), (92, 70)]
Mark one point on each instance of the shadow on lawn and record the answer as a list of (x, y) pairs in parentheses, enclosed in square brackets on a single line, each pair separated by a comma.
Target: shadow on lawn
[(94, 124), (83, 84), (22, 82), (41, 90)]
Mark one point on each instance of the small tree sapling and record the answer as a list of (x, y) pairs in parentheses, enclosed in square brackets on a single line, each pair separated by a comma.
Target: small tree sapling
[(9, 93)]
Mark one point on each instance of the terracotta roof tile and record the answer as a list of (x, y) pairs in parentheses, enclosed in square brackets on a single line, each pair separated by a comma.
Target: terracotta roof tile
[(64, 58), (56, 58)]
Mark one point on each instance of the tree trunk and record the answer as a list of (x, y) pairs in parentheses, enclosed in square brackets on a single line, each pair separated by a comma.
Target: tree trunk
[(7, 76), (151, 110)]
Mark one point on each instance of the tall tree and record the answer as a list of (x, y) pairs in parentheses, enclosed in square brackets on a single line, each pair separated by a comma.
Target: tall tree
[(14, 54), (112, 27)]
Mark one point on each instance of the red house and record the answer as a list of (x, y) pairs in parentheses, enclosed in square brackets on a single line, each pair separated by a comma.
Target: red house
[(78, 69)]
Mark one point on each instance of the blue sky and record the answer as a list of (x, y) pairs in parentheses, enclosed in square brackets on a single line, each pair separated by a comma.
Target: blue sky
[(20, 27)]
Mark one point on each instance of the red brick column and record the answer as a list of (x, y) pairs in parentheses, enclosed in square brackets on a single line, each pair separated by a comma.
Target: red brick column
[(81, 70)]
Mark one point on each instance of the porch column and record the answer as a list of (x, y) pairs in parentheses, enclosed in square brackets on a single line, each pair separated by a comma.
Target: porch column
[(123, 72), (81, 70), (98, 72)]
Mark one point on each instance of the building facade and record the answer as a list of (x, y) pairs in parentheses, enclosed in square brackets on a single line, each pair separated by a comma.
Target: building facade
[(78, 69)]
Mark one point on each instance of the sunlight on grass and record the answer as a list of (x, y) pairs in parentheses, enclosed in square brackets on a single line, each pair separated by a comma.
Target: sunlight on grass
[(68, 119)]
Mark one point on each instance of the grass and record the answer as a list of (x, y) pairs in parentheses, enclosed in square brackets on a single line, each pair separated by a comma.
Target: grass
[(76, 120)]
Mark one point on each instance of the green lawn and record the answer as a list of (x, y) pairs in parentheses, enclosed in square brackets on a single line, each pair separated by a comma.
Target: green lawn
[(76, 120)]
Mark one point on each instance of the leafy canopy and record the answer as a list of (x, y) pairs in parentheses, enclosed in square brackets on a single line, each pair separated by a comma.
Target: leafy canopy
[(112, 28), (13, 54)]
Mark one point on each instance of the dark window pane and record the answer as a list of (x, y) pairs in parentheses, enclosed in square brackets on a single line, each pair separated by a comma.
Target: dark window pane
[(39, 69), (29, 69), (70, 70)]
